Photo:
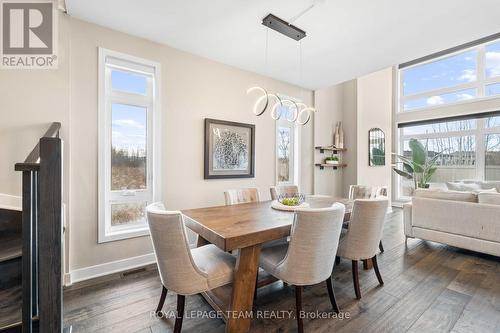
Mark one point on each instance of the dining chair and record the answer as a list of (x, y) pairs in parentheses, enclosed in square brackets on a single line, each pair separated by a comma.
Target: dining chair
[(183, 270), (368, 192), (244, 195), (361, 240), (307, 259), (276, 191)]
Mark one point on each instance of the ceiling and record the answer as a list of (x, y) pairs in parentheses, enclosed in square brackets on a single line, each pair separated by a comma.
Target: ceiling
[(345, 38)]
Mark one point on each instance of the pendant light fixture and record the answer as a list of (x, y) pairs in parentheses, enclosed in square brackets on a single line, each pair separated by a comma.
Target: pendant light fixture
[(298, 112)]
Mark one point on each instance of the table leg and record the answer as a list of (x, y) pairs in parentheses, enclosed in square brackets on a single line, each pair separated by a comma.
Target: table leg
[(247, 266), (367, 264)]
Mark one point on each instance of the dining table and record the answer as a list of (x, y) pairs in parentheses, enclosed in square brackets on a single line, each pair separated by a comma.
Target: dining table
[(242, 229)]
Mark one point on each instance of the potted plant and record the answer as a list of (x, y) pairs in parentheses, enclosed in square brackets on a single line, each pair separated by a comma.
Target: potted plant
[(334, 160), (419, 167)]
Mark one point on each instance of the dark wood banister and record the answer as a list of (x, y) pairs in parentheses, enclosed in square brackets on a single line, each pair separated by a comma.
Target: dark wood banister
[(42, 234), (32, 161)]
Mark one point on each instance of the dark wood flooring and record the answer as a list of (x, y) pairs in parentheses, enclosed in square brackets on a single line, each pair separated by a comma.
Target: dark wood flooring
[(428, 288)]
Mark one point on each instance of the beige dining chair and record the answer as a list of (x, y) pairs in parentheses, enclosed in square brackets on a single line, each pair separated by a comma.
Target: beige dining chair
[(368, 192), (183, 270), (276, 191), (363, 236), (243, 195), (307, 259)]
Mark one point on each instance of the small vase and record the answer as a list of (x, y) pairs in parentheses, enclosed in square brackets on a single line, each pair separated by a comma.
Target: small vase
[(336, 137), (341, 136)]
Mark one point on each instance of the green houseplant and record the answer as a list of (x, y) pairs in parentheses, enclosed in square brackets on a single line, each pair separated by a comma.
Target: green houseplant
[(332, 160), (419, 167)]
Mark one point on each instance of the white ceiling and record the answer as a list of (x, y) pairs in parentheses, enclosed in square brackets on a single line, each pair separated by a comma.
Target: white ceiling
[(345, 38)]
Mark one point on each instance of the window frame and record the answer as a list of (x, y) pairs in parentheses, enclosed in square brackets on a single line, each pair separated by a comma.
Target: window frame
[(295, 140), (479, 84), (109, 60)]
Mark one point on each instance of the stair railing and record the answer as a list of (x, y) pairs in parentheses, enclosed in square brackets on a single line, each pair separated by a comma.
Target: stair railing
[(42, 235)]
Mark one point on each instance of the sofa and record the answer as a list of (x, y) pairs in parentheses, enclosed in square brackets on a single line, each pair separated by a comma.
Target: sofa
[(465, 219)]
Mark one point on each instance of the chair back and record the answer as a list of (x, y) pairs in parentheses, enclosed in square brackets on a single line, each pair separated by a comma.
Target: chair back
[(178, 272), (365, 228), (242, 195), (367, 192), (276, 191), (313, 242)]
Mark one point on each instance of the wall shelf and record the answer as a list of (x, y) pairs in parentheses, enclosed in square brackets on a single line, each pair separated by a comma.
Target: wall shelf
[(322, 149), (333, 166)]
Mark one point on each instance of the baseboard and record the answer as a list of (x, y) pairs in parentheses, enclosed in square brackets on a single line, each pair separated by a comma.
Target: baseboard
[(12, 202), (91, 272)]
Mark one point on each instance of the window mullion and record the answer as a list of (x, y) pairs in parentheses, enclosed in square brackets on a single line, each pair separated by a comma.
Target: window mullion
[(481, 71)]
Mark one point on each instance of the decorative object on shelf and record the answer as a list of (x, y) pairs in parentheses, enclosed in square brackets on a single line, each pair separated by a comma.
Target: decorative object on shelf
[(336, 136), (229, 149), (419, 167), (376, 147), (340, 143), (333, 160), (296, 111)]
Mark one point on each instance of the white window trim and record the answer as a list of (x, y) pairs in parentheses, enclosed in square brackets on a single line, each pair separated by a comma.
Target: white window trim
[(480, 83), (106, 233), (282, 122)]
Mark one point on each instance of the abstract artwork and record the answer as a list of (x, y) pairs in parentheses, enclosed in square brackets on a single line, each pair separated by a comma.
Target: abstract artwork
[(229, 149)]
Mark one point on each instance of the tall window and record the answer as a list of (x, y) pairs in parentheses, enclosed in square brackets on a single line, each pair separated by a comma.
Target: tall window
[(286, 149), (459, 77), (128, 145), (454, 87)]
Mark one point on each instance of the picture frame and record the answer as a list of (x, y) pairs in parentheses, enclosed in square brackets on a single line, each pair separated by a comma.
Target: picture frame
[(229, 149)]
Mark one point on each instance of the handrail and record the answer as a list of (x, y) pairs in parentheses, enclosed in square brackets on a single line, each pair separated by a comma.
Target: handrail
[(42, 234), (32, 161)]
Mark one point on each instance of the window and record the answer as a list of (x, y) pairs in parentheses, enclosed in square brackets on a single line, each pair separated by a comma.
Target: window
[(286, 148), (467, 149), (128, 144), (456, 78)]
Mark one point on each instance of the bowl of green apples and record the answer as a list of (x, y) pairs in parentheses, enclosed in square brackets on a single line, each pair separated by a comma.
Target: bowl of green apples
[(295, 199)]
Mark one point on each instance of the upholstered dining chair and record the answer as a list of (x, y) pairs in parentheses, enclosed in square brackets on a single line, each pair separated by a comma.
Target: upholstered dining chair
[(276, 191), (363, 236), (183, 270), (307, 259), (243, 195), (368, 192)]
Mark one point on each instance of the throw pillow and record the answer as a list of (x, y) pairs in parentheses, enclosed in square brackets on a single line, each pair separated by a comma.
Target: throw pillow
[(462, 187)]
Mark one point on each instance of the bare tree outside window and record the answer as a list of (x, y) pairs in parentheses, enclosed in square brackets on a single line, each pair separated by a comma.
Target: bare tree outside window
[(284, 154)]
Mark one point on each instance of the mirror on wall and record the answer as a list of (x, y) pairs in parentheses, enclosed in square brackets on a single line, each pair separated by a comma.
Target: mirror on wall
[(376, 147)]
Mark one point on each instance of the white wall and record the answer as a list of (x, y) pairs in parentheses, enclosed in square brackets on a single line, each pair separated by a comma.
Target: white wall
[(360, 104), (375, 98), (193, 88)]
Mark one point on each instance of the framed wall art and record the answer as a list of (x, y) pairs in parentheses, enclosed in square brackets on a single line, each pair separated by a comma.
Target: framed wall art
[(229, 149)]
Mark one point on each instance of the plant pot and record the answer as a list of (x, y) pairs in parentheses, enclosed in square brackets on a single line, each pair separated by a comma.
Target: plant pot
[(332, 162)]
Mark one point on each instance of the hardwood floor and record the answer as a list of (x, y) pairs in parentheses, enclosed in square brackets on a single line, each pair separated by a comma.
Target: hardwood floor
[(428, 287)]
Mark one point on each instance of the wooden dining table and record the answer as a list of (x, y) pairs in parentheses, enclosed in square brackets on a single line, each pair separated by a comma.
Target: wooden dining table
[(244, 227)]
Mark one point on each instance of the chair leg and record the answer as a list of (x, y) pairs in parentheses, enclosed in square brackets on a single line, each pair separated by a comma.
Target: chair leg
[(180, 313), (298, 308), (329, 286), (162, 299), (355, 278), (337, 260), (375, 267), (365, 264), (381, 247)]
